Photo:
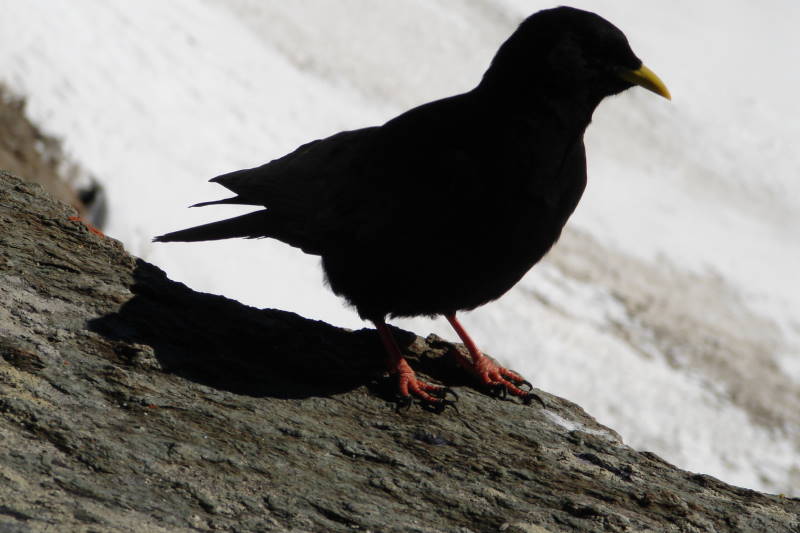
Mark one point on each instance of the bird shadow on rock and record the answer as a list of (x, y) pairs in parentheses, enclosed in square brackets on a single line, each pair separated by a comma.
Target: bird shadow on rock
[(224, 344)]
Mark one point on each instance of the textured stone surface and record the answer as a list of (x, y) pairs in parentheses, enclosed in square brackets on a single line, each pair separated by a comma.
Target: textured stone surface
[(129, 402), (26, 151)]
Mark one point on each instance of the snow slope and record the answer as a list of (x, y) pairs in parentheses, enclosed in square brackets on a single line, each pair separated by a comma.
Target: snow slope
[(671, 311)]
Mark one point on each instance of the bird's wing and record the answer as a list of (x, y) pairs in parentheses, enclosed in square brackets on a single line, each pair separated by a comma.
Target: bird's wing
[(293, 182), (315, 193), (356, 186), (410, 179)]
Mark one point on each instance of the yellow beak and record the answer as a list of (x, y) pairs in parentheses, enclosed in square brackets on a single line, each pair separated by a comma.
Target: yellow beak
[(646, 78)]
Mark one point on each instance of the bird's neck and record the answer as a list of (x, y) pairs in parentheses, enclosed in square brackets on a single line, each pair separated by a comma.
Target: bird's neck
[(569, 112)]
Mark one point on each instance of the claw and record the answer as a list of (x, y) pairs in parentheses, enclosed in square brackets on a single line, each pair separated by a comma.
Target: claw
[(434, 400), (438, 407), (532, 396), (403, 402), (411, 389), (498, 390), (443, 392), (497, 380)]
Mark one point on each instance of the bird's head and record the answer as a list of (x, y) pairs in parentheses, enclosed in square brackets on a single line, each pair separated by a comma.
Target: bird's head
[(566, 54)]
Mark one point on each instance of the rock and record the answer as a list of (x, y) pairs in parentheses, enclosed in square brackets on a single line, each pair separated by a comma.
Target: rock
[(129, 402), (27, 151)]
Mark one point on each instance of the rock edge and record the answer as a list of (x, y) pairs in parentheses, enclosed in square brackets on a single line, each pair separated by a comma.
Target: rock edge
[(129, 402)]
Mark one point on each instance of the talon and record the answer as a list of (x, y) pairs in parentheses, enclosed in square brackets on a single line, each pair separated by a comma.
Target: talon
[(497, 380), (403, 402), (452, 403), (498, 390), (411, 388), (438, 407), (532, 396), (442, 393), (510, 375)]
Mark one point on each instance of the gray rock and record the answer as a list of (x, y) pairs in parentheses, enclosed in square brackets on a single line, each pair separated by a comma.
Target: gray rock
[(28, 151), (129, 402)]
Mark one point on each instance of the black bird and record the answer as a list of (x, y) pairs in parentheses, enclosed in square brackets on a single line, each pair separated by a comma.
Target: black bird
[(445, 207)]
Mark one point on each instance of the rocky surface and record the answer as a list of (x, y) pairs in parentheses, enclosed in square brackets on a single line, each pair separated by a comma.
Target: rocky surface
[(25, 150), (129, 402)]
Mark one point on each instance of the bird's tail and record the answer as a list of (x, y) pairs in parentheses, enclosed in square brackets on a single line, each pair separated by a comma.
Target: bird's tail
[(251, 226)]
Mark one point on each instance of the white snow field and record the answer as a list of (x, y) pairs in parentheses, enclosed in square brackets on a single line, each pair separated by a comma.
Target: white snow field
[(670, 310)]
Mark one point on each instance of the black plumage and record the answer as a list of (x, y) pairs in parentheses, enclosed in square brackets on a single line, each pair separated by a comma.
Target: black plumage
[(445, 207)]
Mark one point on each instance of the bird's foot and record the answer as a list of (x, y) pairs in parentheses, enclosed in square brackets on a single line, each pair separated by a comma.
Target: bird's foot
[(409, 387), (498, 380), (88, 226), (430, 397)]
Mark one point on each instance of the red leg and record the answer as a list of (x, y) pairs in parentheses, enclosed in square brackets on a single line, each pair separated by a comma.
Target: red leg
[(486, 370), (407, 381), (88, 226)]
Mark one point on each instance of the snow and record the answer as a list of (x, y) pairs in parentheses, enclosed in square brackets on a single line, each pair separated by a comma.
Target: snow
[(155, 98), (571, 425)]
